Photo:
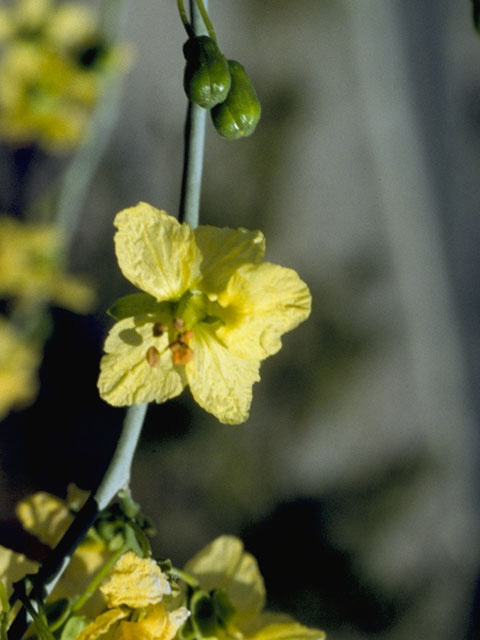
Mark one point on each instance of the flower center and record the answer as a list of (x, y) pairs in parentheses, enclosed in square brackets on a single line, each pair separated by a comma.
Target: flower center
[(187, 312)]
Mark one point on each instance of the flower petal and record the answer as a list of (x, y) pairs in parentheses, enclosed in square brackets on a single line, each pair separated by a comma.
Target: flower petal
[(287, 631), (224, 250), (223, 564), (156, 252), (158, 624), (126, 377), (13, 567), (261, 303), (135, 582), (220, 382), (102, 624), (45, 516)]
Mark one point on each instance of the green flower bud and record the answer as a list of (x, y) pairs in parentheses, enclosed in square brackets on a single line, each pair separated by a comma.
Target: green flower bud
[(207, 78), (238, 116)]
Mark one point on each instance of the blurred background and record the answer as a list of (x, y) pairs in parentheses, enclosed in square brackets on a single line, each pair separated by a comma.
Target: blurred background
[(355, 480)]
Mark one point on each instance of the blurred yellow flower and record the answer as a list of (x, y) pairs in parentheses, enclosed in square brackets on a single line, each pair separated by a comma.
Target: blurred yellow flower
[(31, 266), (223, 566), (51, 72), (18, 368), (212, 311), (48, 517), (133, 594)]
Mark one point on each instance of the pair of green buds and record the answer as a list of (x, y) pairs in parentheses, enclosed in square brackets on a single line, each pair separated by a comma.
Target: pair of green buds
[(221, 85)]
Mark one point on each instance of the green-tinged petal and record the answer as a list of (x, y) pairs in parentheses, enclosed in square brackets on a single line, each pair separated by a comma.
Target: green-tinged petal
[(223, 564), (135, 582), (135, 304), (224, 250), (220, 382), (158, 624), (261, 302), (155, 252), (14, 566), (102, 624), (126, 377), (45, 516), (287, 631)]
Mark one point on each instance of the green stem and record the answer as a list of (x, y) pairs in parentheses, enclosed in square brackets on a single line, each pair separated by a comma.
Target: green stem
[(206, 19), (184, 18), (116, 477), (93, 584), (194, 146)]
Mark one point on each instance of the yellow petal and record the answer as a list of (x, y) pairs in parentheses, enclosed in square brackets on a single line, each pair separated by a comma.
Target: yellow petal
[(261, 303), (102, 624), (158, 624), (287, 631), (45, 516), (220, 382), (223, 564), (224, 250), (155, 252), (135, 582), (13, 567), (126, 377)]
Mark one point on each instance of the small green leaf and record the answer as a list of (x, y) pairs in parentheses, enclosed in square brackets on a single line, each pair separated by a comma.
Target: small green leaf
[(74, 627), (135, 304)]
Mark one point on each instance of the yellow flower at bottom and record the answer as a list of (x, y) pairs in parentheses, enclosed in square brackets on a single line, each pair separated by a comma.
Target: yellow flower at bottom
[(224, 565), (133, 595), (18, 367), (135, 582), (213, 310)]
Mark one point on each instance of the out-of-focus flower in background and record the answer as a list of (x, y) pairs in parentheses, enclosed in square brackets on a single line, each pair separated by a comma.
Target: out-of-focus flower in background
[(31, 267), (54, 61), (18, 366)]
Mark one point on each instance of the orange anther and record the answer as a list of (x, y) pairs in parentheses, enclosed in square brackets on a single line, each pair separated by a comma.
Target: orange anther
[(181, 352)]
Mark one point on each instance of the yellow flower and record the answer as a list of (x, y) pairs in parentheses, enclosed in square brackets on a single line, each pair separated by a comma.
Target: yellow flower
[(18, 367), (135, 582), (30, 266), (212, 311), (47, 517), (134, 594), (52, 71), (224, 565)]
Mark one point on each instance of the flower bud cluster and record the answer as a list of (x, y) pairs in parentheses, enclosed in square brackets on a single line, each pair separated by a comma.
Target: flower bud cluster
[(222, 86)]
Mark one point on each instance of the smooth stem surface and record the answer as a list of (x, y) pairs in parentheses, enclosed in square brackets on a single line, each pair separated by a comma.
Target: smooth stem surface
[(194, 144)]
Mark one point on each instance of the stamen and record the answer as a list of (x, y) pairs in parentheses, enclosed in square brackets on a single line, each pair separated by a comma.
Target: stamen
[(186, 336), (153, 357), (181, 352), (158, 329), (178, 324)]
